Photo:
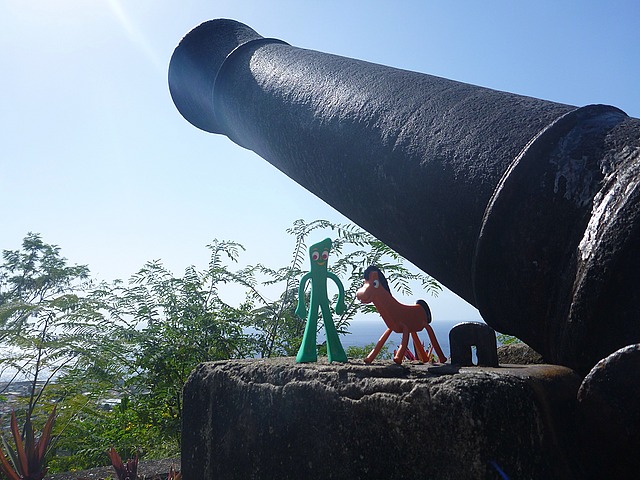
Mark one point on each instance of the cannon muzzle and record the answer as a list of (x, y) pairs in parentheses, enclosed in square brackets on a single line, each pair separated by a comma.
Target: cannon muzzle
[(527, 209)]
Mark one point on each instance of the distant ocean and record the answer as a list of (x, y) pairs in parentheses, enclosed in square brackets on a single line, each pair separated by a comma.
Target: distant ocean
[(364, 331)]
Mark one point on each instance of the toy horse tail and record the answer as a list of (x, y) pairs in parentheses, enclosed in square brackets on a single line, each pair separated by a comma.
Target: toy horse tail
[(432, 335), (426, 308)]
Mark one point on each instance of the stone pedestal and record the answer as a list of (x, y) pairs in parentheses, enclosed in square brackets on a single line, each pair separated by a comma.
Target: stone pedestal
[(275, 419)]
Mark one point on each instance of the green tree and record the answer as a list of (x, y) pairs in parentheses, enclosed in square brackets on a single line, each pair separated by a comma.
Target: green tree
[(278, 330), (138, 341), (357, 249), (90, 427), (49, 327), (177, 323)]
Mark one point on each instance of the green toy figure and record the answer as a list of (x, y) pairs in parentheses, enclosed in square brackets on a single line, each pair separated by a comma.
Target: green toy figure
[(318, 275)]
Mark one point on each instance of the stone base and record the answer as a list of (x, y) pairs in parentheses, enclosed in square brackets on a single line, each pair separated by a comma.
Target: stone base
[(275, 419)]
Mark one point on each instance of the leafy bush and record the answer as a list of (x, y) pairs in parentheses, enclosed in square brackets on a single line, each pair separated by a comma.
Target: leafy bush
[(361, 352), (504, 339), (82, 346)]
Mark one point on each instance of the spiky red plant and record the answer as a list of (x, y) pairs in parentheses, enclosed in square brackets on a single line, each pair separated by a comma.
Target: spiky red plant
[(28, 460), (128, 471), (173, 475)]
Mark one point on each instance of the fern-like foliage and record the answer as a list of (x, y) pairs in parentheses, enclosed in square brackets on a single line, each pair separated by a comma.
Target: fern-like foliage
[(279, 331), (49, 324)]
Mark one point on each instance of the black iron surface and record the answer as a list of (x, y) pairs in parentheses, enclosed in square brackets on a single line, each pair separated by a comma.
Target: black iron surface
[(527, 209), (465, 335)]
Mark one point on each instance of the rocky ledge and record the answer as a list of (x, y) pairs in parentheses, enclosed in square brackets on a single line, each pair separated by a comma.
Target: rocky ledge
[(260, 419)]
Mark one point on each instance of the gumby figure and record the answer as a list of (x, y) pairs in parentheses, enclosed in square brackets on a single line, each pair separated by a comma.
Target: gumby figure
[(319, 254)]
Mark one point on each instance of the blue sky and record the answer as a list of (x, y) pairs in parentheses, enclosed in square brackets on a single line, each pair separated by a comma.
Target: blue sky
[(96, 158)]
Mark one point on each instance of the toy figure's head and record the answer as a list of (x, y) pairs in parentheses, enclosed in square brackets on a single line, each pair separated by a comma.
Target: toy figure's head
[(319, 254), (374, 283)]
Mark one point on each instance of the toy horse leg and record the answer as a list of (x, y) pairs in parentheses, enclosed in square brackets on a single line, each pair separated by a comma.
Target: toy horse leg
[(376, 350), (403, 346), (417, 344), (435, 344)]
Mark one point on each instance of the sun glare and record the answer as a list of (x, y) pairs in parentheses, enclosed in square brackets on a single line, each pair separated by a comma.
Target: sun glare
[(134, 34), (74, 13)]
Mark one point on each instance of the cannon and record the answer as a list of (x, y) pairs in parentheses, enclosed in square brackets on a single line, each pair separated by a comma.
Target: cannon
[(527, 209)]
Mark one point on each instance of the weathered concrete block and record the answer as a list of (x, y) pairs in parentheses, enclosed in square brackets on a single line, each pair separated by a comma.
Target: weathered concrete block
[(275, 419)]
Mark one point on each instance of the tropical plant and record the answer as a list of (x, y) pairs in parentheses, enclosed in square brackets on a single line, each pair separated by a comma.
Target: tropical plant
[(125, 471), (28, 460)]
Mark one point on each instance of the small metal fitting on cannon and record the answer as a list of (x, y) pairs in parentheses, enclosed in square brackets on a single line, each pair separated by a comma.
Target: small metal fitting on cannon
[(465, 335)]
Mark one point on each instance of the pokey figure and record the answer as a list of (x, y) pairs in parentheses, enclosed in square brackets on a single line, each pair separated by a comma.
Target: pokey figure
[(319, 254), (400, 318)]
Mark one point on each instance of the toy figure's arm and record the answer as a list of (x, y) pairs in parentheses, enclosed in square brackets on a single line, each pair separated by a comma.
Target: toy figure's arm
[(301, 309), (340, 306)]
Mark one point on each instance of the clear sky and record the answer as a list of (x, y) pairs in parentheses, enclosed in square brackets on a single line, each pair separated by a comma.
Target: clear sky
[(96, 158)]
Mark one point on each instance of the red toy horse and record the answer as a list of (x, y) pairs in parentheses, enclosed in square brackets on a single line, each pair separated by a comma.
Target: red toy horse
[(405, 319)]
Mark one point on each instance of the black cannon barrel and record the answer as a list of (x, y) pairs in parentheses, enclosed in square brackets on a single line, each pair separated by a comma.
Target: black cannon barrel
[(527, 209)]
